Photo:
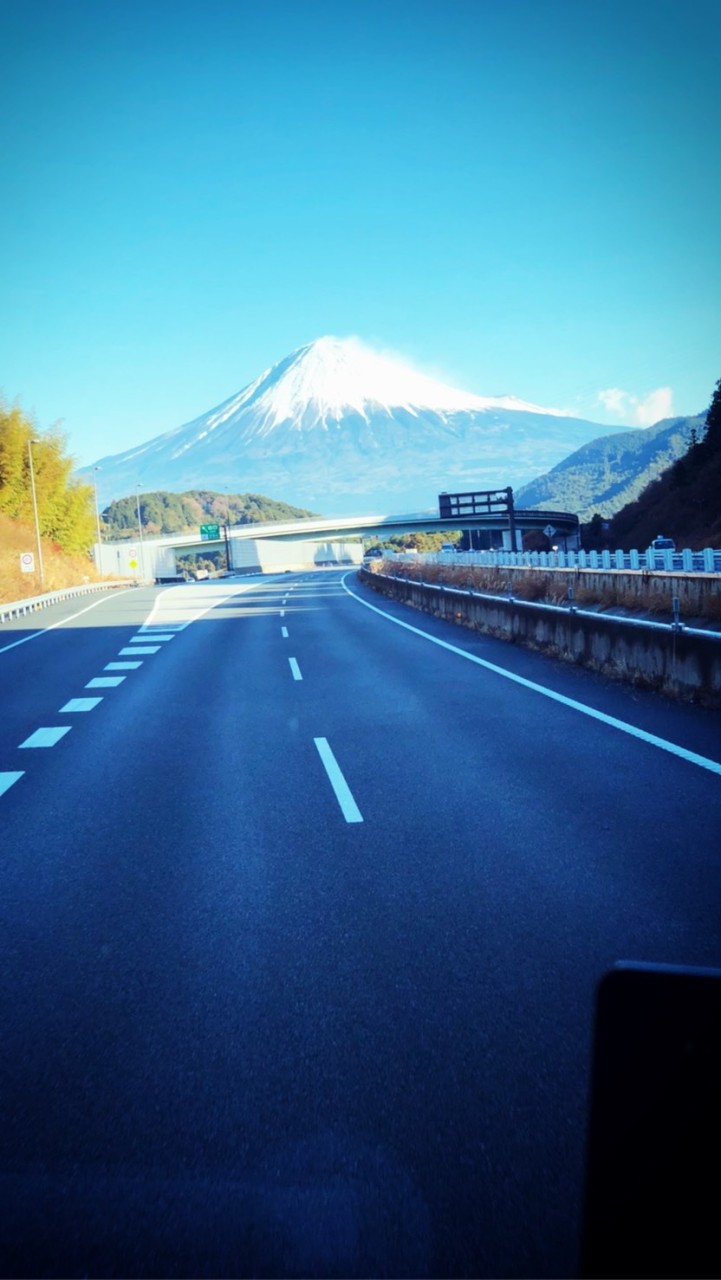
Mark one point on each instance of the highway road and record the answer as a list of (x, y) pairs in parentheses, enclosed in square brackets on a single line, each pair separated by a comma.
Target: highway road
[(302, 916)]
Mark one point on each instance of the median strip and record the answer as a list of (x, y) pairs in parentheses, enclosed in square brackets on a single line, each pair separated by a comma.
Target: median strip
[(343, 793)]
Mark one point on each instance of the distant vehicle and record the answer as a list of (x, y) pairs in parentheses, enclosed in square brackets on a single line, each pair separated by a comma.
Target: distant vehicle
[(663, 544), (448, 546)]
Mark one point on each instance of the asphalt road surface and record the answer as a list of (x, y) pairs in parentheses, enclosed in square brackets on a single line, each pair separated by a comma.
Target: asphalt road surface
[(302, 916)]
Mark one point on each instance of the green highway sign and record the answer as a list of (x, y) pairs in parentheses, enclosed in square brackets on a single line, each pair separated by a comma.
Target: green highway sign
[(209, 531)]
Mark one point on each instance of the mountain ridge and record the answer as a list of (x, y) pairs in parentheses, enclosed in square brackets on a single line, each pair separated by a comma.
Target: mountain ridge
[(612, 470), (339, 428)]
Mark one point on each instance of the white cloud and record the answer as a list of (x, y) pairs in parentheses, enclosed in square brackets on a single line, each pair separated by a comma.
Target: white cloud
[(642, 410), (656, 405), (615, 400)]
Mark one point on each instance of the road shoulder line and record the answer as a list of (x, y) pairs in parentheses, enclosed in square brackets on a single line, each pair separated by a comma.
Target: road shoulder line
[(703, 762)]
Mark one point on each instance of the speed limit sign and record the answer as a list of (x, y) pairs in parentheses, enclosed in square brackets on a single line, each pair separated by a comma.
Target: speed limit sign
[(27, 561)]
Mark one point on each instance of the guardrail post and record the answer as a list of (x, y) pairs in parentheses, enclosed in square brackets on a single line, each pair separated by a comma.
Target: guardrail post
[(708, 559)]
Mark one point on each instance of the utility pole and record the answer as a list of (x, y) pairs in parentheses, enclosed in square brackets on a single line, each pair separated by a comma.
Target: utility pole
[(140, 532), (35, 511), (511, 518), (97, 516)]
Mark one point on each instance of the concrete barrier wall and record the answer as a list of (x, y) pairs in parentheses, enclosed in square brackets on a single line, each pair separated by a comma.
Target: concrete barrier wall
[(675, 662), (694, 590)]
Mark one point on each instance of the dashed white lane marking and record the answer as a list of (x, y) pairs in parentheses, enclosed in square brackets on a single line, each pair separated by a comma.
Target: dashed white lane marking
[(295, 669), (80, 704), (282, 613), (122, 666), (7, 780), (47, 736), (153, 635), (702, 761), (145, 648), (343, 793), (163, 626), (284, 632), (104, 682)]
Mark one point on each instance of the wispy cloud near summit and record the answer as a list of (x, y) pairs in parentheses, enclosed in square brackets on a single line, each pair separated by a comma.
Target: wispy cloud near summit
[(641, 410)]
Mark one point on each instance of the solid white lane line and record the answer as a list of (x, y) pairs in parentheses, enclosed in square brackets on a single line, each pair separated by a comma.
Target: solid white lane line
[(105, 682), (284, 632), (46, 737), (80, 704), (146, 648), (343, 793), (295, 669), (72, 618), (122, 666), (7, 780), (703, 762)]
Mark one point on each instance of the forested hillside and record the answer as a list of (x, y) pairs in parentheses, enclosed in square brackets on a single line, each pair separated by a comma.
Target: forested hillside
[(685, 502), (612, 470), (167, 513)]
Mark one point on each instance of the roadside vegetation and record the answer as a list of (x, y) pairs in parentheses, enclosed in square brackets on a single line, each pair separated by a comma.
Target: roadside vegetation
[(61, 568), (649, 595), (65, 510), (64, 506)]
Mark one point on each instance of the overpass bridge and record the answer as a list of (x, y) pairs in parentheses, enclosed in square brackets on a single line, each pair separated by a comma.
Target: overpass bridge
[(316, 539)]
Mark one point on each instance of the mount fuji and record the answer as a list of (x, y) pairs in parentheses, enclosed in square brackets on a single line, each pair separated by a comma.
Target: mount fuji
[(341, 429)]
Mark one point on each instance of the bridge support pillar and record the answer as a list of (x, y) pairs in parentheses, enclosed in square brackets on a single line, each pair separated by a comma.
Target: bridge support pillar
[(507, 542)]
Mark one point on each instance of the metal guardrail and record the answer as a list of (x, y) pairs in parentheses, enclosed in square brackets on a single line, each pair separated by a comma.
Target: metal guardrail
[(650, 561), (570, 608), (16, 608)]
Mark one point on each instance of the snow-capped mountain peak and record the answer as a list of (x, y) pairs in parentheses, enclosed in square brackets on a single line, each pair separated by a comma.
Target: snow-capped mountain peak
[(337, 427), (319, 384)]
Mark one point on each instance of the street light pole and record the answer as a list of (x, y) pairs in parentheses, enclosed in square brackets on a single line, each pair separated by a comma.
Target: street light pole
[(140, 531), (97, 516), (35, 511)]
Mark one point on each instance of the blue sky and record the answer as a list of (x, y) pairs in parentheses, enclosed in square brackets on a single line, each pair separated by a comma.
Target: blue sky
[(518, 196)]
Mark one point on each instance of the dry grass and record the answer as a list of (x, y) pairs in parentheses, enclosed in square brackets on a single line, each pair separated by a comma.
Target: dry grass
[(544, 587), (60, 570)]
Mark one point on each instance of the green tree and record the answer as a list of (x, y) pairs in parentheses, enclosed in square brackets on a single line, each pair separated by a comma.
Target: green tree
[(65, 507), (711, 443)]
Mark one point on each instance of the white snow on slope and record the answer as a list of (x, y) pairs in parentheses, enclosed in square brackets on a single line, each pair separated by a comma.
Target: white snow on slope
[(331, 377)]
